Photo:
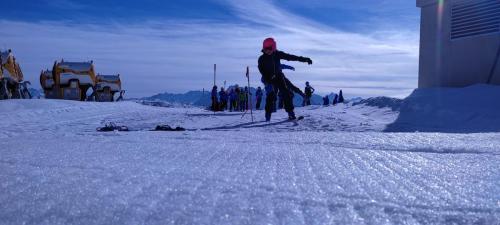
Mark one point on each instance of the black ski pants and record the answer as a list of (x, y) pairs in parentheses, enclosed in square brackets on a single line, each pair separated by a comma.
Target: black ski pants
[(272, 89)]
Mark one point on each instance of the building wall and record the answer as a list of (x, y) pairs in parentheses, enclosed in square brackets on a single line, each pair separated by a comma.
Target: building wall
[(453, 63)]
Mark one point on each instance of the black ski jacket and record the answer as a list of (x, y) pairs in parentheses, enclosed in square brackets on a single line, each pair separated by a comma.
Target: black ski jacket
[(270, 65)]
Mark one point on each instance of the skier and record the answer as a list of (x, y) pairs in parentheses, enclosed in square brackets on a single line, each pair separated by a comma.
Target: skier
[(215, 102), (258, 94), (232, 99), (273, 77), (237, 99), (335, 99), (247, 97), (326, 100), (308, 91), (242, 100), (341, 97), (223, 99)]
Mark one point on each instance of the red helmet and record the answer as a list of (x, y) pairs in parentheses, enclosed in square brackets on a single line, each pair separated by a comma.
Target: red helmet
[(269, 43)]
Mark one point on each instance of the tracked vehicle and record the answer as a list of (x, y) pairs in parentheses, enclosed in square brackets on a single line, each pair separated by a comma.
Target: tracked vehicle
[(12, 84)]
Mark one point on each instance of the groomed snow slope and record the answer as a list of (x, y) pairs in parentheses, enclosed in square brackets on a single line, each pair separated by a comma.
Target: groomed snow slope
[(334, 167)]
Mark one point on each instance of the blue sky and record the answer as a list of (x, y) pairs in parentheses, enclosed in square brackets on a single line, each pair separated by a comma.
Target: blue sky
[(365, 47)]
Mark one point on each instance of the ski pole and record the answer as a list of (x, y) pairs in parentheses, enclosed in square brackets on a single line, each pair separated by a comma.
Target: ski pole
[(248, 93), (213, 100), (215, 72)]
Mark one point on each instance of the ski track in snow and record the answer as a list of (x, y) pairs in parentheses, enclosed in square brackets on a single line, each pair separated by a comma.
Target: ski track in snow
[(333, 167)]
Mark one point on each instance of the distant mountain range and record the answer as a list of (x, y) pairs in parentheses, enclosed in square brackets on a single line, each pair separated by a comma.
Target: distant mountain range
[(202, 99), (199, 99)]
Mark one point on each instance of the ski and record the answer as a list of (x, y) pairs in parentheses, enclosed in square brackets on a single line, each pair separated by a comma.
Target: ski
[(298, 118)]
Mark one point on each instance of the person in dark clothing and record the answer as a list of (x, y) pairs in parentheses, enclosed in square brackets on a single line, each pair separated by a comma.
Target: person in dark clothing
[(273, 77), (223, 99), (258, 95), (335, 99), (308, 92), (242, 100), (341, 97), (232, 100), (215, 102), (326, 100), (247, 99)]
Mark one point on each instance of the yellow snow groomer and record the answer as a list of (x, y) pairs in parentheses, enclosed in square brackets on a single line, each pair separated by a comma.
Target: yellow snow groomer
[(47, 82), (11, 78), (68, 80), (106, 87)]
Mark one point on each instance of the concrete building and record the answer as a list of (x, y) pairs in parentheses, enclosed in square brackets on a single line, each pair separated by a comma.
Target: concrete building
[(459, 42)]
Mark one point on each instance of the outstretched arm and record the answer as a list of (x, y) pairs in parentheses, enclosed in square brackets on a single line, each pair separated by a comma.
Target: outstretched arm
[(287, 67), (290, 57)]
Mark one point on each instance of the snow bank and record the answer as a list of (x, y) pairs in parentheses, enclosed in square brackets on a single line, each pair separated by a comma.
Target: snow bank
[(381, 102), (455, 110)]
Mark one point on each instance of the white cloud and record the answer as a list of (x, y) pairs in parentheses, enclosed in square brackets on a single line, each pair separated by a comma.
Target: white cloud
[(177, 56)]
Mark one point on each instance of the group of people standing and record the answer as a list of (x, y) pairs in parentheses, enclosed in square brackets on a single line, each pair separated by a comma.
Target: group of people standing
[(337, 98), (233, 99), (237, 99)]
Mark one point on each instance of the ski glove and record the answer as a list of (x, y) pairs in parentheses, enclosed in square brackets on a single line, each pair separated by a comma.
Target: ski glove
[(309, 61)]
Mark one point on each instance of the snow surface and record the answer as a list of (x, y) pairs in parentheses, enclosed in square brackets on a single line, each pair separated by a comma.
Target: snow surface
[(452, 110), (334, 167)]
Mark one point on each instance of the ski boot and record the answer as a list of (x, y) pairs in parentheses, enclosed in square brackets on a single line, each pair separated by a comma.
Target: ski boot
[(268, 117)]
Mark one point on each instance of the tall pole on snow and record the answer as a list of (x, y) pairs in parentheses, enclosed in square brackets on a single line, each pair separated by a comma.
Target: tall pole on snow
[(248, 95), (215, 77), (215, 72)]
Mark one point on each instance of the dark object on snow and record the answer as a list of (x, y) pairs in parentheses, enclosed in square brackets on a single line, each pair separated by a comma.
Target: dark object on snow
[(168, 128), (259, 95), (335, 99), (308, 94), (112, 127), (223, 97), (293, 118), (326, 101), (341, 97), (215, 101)]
